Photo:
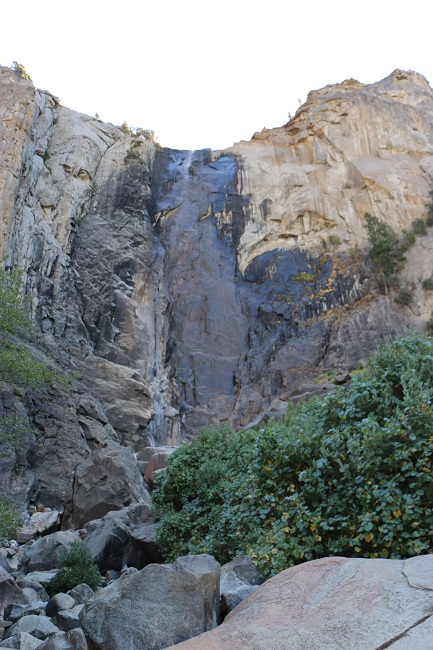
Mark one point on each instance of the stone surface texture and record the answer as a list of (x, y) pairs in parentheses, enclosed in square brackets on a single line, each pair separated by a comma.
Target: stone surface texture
[(109, 479), (155, 607), (44, 554), (10, 592), (333, 604), (116, 540), (186, 288)]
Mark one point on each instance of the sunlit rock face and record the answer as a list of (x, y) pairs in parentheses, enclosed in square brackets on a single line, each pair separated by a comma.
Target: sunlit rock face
[(189, 288)]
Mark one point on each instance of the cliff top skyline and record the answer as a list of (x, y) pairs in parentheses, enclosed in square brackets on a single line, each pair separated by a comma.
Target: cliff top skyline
[(208, 77)]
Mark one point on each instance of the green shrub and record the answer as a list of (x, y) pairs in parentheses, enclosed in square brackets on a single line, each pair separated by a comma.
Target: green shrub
[(404, 297), (20, 365), (428, 283), (132, 156), (408, 239), (10, 520), (386, 252), (13, 430), (75, 566), (13, 315), (348, 475), (335, 240), (419, 227)]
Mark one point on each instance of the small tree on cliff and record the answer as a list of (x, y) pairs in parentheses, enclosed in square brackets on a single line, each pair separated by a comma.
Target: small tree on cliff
[(20, 71), (386, 253)]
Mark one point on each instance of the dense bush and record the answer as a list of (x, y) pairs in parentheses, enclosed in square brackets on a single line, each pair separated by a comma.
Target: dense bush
[(75, 567), (348, 475)]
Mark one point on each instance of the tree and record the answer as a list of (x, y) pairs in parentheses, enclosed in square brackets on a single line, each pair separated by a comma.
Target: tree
[(20, 71), (386, 253)]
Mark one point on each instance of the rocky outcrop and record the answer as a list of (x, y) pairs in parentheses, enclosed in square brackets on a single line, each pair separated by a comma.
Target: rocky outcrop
[(338, 603), (9, 591), (44, 554), (116, 540), (186, 288), (109, 479), (155, 607)]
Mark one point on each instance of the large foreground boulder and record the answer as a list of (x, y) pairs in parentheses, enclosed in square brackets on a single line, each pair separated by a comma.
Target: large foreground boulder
[(109, 479), (160, 605), (333, 604)]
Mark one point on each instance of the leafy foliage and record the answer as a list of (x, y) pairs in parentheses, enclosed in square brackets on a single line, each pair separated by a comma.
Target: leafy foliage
[(20, 71), (419, 227), (21, 366), (348, 475), (75, 567), (10, 519), (404, 297), (386, 253)]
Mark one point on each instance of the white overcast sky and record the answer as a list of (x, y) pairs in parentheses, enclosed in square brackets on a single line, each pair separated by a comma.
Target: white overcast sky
[(208, 74)]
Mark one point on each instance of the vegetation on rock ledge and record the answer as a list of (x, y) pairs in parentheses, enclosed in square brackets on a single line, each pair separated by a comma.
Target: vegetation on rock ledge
[(348, 475), (21, 367)]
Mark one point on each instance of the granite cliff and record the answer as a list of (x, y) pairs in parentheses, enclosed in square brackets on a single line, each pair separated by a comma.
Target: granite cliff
[(193, 287)]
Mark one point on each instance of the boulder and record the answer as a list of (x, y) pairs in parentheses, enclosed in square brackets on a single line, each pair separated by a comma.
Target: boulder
[(45, 521), (69, 619), (44, 554), (239, 578), (34, 587), (10, 593), (25, 534), (155, 607), (109, 479), (333, 603), (109, 541), (153, 460), (72, 640), (116, 541), (144, 548), (21, 641), (81, 594), (59, 602), (38, 626), (14, 612), (39, 577)]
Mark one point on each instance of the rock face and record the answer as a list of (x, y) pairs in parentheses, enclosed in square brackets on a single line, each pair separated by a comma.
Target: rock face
[(193, 287), (333, 603), (155, 607)]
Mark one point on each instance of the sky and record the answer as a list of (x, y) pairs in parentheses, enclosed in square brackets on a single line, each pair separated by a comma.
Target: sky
[(208, 74)]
